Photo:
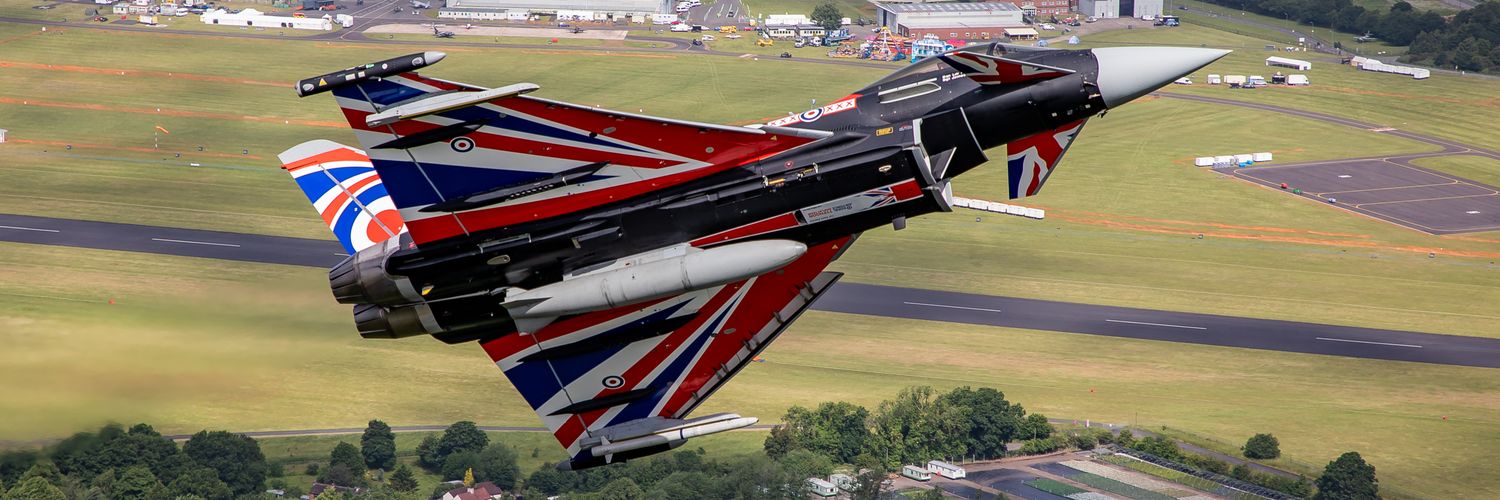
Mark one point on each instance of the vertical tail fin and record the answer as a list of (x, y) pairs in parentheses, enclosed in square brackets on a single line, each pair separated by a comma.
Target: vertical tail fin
[(345, 190)]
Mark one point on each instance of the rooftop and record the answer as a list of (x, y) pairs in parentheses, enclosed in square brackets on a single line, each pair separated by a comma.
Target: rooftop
[(903, 8)]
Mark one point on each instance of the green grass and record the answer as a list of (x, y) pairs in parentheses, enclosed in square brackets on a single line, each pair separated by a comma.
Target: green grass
[(1326, 34), (1055, 487), (1118, 488), (1178, 477), (852, 9), (1475, 168)]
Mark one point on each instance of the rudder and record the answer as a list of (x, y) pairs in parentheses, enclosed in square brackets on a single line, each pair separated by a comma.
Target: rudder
[(343, 187)]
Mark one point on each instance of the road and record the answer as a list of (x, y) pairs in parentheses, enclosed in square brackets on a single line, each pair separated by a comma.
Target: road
[(854, 298)]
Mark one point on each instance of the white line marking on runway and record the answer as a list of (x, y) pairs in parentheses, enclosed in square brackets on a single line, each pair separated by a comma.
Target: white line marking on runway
[(1369, 342), (191, 242), (951, 307), (1156, 324), (19, 228)]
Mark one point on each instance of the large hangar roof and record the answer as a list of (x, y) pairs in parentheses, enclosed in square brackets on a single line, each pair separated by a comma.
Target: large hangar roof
[(658, 6)]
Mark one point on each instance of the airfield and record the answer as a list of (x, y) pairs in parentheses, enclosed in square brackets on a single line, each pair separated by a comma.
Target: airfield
[(194, 342)]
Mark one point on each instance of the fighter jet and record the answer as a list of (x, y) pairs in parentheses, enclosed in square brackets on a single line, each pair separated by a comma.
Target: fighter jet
[(619, 268)]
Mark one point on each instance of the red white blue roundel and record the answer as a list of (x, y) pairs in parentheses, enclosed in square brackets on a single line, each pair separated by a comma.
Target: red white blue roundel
[(811, 114), (462, 144)]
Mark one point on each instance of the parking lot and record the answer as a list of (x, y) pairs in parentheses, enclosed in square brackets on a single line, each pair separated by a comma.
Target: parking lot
[(1394, 191)]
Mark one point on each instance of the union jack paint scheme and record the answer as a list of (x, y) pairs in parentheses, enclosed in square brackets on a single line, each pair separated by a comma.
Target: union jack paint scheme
[(620, 268), (1032, 158), (991, 70), (345, 190)]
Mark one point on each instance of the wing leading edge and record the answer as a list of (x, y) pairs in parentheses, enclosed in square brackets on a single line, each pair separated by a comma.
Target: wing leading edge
[(435, 141)]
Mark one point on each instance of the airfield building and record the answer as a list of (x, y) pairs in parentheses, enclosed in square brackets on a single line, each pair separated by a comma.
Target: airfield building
[(1111, 9), (254, 18), (595, 9), (949, 20)]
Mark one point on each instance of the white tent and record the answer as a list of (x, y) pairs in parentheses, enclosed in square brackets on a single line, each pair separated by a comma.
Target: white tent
[(1290, 63)]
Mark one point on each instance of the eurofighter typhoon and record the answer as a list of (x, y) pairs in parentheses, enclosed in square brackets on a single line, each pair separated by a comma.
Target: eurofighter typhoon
[(619, 268)]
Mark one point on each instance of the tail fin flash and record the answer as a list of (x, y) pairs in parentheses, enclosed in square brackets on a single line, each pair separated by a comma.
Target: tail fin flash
[(1032, 158), (344, 188)]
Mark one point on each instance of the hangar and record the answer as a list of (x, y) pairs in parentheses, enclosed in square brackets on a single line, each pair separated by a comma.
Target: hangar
[(1110, 9), (603, 9), (949, 20)]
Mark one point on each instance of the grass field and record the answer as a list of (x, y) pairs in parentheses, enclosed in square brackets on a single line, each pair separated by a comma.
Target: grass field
[(195, 343), (1054, 487), (1475, 168)]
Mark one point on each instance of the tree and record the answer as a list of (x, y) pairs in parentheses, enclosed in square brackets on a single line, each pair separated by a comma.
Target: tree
[(621, 489), (458, 464), (807, 463), (237, 458), (1126, 438), (462, 436), (781, 439), (45, 470), (378, 445), (550, 480), (1473, 54), (403, 480), (35, 488), (993, 421), (497, 464), (1262, 447), (347, 455), (201, 482), (142, 445), (682, 485), (135, 483), (867, 485), (15, 462), (828, 16), (340, 474), (915, 427), (1036, 427), (427, 454), (1348, 477)]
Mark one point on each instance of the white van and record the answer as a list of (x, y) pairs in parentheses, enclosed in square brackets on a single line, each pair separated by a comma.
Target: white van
[(681, 28)]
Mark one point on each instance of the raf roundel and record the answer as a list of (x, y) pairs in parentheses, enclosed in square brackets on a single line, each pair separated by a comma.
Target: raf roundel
[(811, 114), (614, 381), (462, 144)]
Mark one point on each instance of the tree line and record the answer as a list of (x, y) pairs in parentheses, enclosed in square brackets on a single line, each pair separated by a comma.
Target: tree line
[(1470, 40)]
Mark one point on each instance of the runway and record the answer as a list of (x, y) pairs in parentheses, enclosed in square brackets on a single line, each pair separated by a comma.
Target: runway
[(854, 298)]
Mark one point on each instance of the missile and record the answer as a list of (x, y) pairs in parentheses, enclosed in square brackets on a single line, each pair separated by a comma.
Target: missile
[(675, 435), (662, 273), (388, 67)]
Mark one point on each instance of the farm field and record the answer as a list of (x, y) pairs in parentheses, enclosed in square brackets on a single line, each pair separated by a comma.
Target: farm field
[(192, 344)]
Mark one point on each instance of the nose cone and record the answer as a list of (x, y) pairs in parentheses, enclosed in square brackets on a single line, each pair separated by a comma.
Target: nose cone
[(1126, 73)]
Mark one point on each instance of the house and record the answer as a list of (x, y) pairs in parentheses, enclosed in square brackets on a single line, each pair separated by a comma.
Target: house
[(481, 491), (121, 8)]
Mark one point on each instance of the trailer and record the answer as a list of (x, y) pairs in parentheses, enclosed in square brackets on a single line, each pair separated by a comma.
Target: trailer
[(946, 469), (1215, 79), (821, 488), (1234, 81), (916, 473)]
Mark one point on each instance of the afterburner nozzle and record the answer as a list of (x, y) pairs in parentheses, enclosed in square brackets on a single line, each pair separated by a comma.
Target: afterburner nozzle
[(1126, 73)]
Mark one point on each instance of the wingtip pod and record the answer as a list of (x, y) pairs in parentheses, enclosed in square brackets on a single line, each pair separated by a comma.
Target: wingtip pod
[(394, 66)]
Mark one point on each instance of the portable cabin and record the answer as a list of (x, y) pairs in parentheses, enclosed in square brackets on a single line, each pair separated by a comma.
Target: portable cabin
[(916, 473), (1203, 161), (946, 469), (1297, 80), (1215, 79), (1244, 158), (821, 488), (1260, 157)]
